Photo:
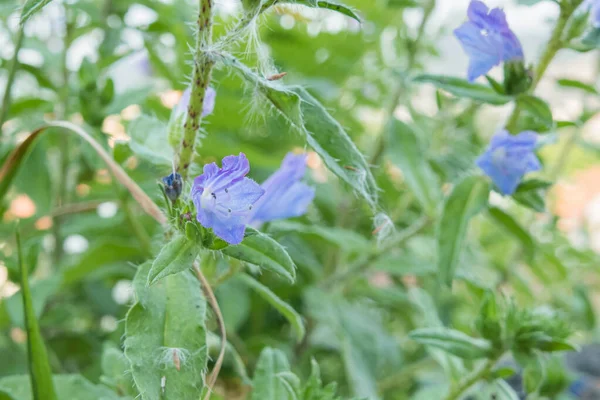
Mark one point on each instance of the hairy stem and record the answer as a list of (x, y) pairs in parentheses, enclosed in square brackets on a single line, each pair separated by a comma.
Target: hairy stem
[(471, 379), (552, 47), (12, 70), (201, 75), (212, 300)]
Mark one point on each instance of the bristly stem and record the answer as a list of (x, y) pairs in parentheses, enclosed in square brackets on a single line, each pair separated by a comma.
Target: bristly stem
[(201, 75), (12, 70), (554, 45)]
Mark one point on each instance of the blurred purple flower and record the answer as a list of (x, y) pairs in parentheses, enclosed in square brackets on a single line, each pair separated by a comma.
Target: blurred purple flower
[(224, 197), (595, 12), (487, 39), (508, 158), (285, 195), (207, 107)]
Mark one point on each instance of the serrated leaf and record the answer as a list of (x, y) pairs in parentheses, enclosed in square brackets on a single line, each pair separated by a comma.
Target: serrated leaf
[(406, 153), (149, 140), (72, 387), (261, 250), (42, 385), (453, 342), (538, 108), (322, 132), (462, 88), (31, 7), (175, 256), (166, 336), (508, 223), (284, 308), (266, 385), (467, 199)]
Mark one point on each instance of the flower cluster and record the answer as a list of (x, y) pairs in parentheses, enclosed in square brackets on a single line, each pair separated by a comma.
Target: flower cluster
[(227, 201), (487, 39)]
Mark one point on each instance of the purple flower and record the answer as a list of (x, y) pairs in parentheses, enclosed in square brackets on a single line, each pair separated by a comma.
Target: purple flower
[(509, 158), (207, 107), (224, 197), (487, 39), (595, 13), (285, 195)]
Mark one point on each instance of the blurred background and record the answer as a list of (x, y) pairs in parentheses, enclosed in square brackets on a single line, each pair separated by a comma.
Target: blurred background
[(119, 67)]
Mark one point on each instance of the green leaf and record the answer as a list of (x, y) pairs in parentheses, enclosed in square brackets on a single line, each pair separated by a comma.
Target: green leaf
[(405, 152), (165, 330), (115, 369), (330, 5), (572, 83), (538, 108), (42, 386), (266, 383), (31, 7), (72, 387), (531, 194), (467, 199), (284, 308), (462, 88), (512, 226), (322, 132), (261, 250), (41, 291), (149, 140), (453, 342), (176, 256)]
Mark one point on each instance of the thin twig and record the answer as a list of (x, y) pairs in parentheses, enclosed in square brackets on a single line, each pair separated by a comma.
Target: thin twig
[(212, 300)]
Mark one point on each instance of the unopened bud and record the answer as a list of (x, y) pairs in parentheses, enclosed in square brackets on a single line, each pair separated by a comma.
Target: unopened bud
[(173, 185)]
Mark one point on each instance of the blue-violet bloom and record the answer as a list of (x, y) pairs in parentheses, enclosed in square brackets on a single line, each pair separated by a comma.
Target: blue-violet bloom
[(285, 195), (487, 39), (173, 185), (207, 106), (508, 158), (224, 197)]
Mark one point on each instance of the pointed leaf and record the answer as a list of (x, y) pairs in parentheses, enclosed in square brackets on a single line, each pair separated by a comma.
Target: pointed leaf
[(467, 199), (330, 5), (261, 250), (42, 386), (176, 256), (284, 308), (462, 88), (538, 108), (322, 132), (31, 7)]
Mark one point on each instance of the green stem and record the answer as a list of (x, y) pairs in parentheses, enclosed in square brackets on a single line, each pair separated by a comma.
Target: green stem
[(471, 379), (413, 48), (12, 70), (554, 45), (201, 75)]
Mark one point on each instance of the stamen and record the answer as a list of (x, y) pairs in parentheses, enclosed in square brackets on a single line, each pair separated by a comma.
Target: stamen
[(214, 196)]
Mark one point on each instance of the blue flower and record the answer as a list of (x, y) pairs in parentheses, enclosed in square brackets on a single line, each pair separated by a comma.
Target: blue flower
[(487, 39), (509, 158), (285, 195), (595, 13), (207, 107), (224, 197)]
